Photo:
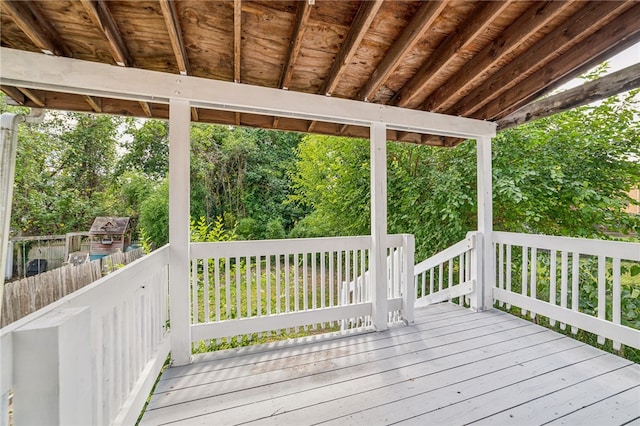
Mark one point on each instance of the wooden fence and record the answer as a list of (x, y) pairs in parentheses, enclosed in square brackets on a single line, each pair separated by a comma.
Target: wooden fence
[(30, 294)]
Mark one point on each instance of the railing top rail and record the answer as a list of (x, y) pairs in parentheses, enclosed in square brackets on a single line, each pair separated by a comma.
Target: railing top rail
[(613, 249), (455, 250), (82, 296), (285, 246)]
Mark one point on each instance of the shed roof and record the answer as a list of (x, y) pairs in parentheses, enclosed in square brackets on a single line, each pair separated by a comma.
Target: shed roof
[(477, 59), (109, 225)]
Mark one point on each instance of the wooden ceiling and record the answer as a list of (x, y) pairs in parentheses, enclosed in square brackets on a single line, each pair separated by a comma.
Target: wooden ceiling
[(478, 59)]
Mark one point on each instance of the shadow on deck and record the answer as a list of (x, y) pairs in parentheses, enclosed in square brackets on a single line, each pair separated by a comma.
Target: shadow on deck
[(452, 366)]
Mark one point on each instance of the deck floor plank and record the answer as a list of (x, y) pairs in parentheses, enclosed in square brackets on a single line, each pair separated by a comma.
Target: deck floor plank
[(452, 366), (622, 408), (595, 391), (378, 354)]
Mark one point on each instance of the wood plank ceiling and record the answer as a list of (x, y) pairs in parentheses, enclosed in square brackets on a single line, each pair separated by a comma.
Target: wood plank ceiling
[(479, 59)]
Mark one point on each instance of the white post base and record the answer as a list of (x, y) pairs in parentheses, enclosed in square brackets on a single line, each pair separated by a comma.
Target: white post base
[(53, 370)]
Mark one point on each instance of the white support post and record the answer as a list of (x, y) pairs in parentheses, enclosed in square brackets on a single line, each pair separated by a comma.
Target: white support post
[(53, 370), (483, 296), (179, 120), (408, 287), (378, 261)]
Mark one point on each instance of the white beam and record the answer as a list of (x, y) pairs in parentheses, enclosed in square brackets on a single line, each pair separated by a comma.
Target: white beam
[(38, 71), (378, 254), (179, 120)]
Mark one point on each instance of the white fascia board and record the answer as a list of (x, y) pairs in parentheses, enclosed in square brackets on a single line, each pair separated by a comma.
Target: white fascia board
[(38, 71)]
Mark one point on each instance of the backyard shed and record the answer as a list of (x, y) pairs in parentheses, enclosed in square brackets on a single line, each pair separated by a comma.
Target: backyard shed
[(109, 235)]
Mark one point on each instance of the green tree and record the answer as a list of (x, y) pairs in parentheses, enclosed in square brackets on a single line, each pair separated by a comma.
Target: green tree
[(565, 175), (146, 149), (570, 174), (63, 171), (154, 215), (332, 179)]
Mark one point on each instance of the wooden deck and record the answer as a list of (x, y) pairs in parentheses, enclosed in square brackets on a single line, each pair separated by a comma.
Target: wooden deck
[(452, 367)]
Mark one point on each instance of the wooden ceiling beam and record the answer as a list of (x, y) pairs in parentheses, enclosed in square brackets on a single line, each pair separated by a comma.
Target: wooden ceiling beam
[(297, 33), (14, 94), (559, 42), (172, 22), (295, 43), (421, 22), (146, 107), (619, 31), (432, 140), (34, 25), (101, 16), (475, 24), (237, 39), (36, 96), (94, 103), (535, 18), (361, 23), (602, 88)]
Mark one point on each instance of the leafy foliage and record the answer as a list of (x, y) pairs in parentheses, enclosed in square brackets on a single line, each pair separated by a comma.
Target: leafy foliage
[(154, 215), (63, 172), (570, 174), (203, 232), (147, 150), (565, 175)]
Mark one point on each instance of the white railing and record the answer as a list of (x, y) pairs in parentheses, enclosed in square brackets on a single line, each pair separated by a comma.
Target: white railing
[(244, 287), (580, 282), (360, 287), (448, 274), (91, 357)]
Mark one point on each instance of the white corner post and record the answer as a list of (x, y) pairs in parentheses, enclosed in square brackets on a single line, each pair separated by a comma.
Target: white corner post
[(179, 312), (482, 298), (53, 370), (378, 254)]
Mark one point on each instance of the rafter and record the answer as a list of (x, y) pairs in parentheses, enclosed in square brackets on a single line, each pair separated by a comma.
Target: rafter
[(475, 24), (101, 16), (530, 22), (237, 39), (172, 22), (361, 23), (299, 27), (297, 33), (195, 117), (602, 88), (423, 19), (94, 103), (30, 20), (624, 30), (146, 107), (558, 42), (36, 96), (14, 94)]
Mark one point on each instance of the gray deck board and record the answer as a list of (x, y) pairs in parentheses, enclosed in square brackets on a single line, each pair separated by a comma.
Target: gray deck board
[(452, 366)]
